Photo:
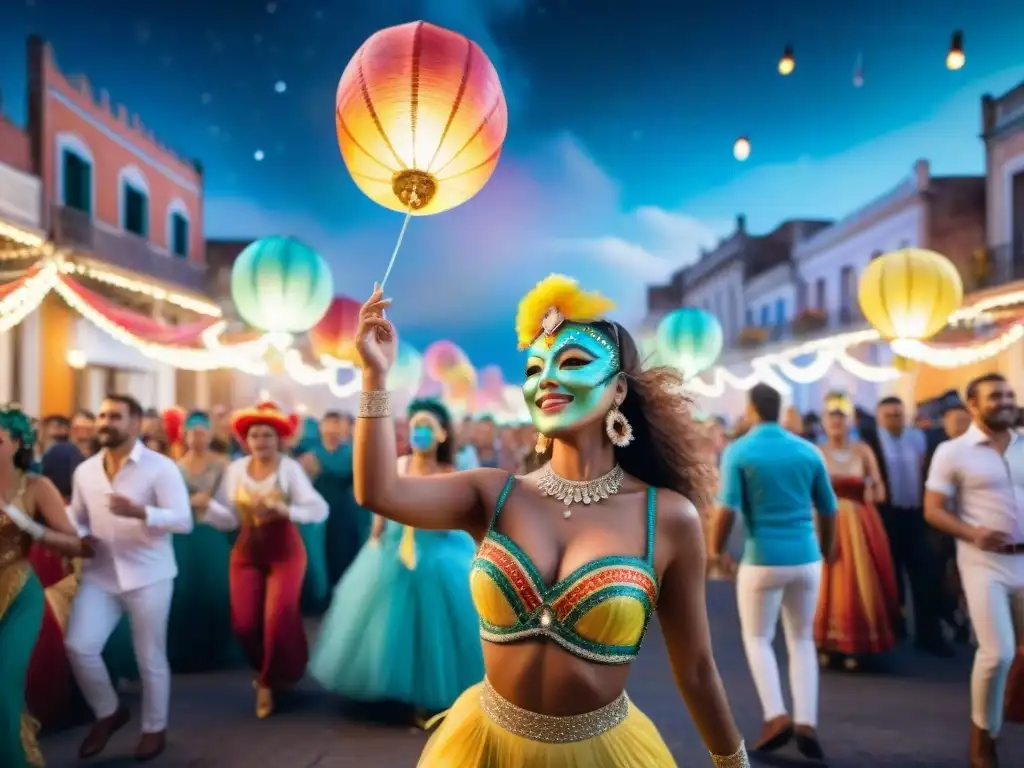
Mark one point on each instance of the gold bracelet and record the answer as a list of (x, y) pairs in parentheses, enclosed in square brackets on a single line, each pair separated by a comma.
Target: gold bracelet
[(737, 759), (375, 404)]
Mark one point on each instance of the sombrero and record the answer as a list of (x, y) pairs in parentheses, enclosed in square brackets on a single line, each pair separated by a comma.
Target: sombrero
[(264, 413)]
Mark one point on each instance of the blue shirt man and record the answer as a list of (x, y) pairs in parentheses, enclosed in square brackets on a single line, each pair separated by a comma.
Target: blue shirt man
[(776, 480)]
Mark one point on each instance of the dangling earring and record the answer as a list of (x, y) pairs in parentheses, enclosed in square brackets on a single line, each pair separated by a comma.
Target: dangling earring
[(619, 430), (543, 443)]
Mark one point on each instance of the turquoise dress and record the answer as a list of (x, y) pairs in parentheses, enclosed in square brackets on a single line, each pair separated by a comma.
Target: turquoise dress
[(199, 636), (401, 630)]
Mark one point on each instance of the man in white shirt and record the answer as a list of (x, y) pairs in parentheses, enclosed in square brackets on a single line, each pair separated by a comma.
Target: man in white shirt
[(130, 499), (980, 475)]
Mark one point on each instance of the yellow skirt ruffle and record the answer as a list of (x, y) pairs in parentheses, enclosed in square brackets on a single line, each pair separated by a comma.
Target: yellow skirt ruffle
[(469, 738)]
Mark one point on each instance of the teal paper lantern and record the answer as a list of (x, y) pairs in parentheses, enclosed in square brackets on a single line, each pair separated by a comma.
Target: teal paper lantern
[(690, 339), (281, 285)]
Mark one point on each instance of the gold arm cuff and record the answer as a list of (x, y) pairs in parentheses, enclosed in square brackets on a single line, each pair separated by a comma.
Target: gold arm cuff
[(737, 759), (374, 405)]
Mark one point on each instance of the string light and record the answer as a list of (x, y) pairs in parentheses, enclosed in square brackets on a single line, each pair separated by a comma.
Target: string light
[(956, 58), (117, 280), (978, 311), (20, 236), (26, 298), (955, 357), (787, 63)]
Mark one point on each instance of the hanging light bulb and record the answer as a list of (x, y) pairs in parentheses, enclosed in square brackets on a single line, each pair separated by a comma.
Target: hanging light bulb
[(741, 149), (858, 72), (787, 63), (956, 58)]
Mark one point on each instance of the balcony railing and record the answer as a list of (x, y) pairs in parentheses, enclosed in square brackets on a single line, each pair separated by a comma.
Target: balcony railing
[(76, 230), (999, 265)]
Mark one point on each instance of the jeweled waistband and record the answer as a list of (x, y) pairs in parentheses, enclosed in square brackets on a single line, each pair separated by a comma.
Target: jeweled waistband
[(549, 728)]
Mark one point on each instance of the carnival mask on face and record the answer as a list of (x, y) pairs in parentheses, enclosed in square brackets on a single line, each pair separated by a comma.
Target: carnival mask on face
[(583, 363), (421, 438)]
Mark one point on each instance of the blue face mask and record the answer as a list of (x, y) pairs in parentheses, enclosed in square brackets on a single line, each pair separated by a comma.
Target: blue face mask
[(421, 438)]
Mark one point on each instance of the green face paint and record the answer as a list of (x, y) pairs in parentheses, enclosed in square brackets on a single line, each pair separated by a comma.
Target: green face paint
[(583, 362)]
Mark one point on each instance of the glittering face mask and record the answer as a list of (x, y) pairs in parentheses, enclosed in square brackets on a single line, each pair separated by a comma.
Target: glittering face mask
[(583, 362)]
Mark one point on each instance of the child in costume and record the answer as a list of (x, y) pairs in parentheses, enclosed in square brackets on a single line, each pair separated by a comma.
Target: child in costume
[(574, 558), (402, 626), (265, 495)]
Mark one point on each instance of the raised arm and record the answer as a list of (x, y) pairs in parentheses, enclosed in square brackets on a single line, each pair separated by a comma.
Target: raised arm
[(683, 615), (447, 501)]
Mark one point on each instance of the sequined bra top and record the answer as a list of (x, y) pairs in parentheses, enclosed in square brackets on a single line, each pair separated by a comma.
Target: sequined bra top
[(599, 612)]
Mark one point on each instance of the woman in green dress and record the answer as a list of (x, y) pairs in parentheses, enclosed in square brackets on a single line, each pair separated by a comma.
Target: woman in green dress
[(31, 510), (199, 636)]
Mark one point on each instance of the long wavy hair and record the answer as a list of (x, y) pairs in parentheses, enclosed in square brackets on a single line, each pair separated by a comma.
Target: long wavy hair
[(669, 448), (445, 451)]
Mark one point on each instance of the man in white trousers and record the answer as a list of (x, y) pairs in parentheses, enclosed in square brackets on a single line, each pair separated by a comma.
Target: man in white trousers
[(130, 499), (777, 481), (980, 475)]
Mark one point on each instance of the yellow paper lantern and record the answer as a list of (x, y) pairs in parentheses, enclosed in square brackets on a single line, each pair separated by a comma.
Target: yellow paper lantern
[(910, 293)]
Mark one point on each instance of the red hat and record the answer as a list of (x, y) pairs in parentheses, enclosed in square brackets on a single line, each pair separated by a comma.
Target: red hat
[(174, 424), (265, 413)]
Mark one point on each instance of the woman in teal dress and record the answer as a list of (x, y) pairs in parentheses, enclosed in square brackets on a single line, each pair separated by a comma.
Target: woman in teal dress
[(199, 636), (402, 627), (316, 587), (31, 510)]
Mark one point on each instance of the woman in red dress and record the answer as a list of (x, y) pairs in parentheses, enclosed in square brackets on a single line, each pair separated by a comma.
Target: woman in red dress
[(858, 605), (264, 495)]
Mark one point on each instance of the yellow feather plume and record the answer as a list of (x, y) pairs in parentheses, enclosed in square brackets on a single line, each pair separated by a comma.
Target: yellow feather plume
[(564, 294)]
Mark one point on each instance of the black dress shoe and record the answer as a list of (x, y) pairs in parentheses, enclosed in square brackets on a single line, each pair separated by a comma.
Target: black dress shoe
[(807, 743)]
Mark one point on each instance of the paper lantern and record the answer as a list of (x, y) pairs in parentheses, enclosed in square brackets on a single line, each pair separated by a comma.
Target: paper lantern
[(956, 58), (787, 63), (334, 335), (910, 293), (442, 357), (690, 339), (421, 118), (280, 285), (407, 373)]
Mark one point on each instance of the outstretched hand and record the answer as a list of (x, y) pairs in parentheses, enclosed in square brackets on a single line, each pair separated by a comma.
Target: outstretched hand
[(376, 340)]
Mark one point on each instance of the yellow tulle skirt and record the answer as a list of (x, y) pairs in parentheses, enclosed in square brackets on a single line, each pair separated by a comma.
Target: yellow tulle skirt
[(470, 736)]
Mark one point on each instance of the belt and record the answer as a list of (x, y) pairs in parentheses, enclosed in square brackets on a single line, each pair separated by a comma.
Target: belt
[(1012, 549), (547, 728)]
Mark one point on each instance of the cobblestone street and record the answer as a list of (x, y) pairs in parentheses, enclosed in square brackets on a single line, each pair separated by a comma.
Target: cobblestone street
[(911, 713)]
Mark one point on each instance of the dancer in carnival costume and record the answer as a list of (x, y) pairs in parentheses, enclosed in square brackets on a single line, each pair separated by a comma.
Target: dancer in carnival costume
[(574, 558), (199, 634), (265, 494), (31, 511), (402, 626), (858, 605)]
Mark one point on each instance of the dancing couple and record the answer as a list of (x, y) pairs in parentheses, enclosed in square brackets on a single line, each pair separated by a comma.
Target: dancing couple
[(574, 558)]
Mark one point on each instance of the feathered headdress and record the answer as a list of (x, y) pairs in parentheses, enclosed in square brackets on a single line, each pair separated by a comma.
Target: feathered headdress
[(554, 300), (174, 424), (838, 402)]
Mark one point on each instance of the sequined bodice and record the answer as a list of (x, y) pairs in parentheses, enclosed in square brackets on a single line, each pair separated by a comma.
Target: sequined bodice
[(247, 499), (599, 612), (14, 543)]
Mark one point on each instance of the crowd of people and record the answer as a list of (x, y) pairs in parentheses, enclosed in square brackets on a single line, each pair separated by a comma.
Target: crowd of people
[(135, 544)]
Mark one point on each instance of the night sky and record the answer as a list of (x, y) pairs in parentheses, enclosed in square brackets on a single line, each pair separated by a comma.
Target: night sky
[(618, 164)]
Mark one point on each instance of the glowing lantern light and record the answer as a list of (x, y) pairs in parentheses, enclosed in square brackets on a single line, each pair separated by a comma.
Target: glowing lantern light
[(407, 373), (460, 382), (956, 58), (690, 339), (421, 118), (281, 285), (787, 63), (741, 149), (443, 357), (334, 335), (910, 293)]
